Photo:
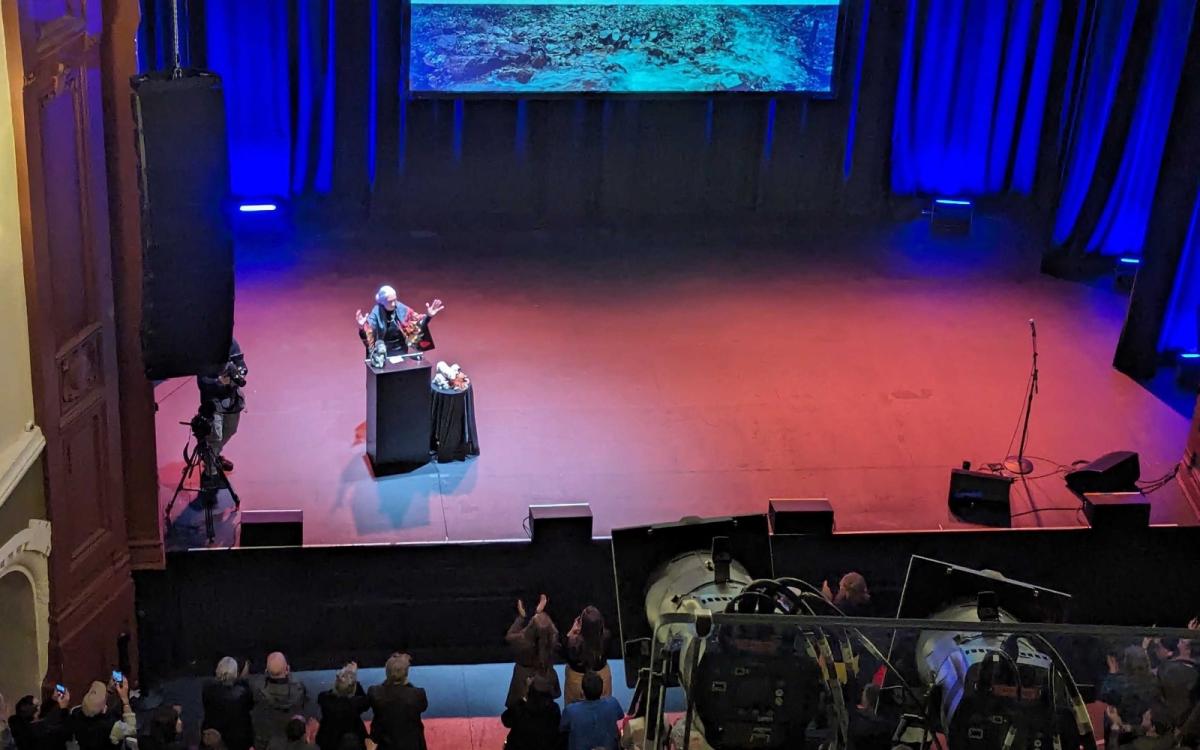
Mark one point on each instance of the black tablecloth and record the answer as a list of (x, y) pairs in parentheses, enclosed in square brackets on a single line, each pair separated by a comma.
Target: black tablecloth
[(454, 437)]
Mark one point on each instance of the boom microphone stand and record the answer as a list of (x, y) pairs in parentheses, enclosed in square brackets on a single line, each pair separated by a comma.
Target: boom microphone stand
[(1018, 464)]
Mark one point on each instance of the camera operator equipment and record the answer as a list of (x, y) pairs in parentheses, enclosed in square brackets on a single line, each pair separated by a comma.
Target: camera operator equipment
[(212, 476), (221, 400)]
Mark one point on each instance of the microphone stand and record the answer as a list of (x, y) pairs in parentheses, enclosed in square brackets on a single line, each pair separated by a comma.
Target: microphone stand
[(1018, 464)]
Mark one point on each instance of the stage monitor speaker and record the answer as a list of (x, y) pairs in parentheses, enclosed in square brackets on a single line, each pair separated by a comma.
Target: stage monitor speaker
[(1117, 511), (570, 522), (1113, 472), (187, 248), (800, 515), (979, 497), (272, 528)]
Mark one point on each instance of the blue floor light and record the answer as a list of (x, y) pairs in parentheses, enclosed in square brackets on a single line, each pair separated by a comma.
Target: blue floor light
[(951, 215), (1187, 370), (257, 208)]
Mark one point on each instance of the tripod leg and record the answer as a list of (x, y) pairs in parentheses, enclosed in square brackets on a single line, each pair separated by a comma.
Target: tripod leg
[(189, 467), (237, 503)]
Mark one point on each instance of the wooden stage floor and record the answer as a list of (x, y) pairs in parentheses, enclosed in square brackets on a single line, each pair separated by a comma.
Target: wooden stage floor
[(655, 377)]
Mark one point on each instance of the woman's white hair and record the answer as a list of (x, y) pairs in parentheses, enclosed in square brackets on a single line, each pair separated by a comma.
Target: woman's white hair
[(384, 292), (227, 670), (345, 680)]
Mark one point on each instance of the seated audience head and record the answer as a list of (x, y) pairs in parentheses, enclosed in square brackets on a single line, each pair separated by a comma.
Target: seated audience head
[(386, 296), (542, 637), (853, 588), (1157, 721), (541, 688), (396, 669), (95, 700), (593, 686), (26, 708), (345, 680), (296, 729), (277, 666), (1135, 662), (210, 739), (227, 671)]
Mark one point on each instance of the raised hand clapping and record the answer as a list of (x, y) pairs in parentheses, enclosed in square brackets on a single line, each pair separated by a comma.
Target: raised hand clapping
[(360, 318), (435, 307)]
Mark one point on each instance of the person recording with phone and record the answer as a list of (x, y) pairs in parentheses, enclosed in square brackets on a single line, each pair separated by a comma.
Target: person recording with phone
[(95, 724), (222, 402), (52, 729)]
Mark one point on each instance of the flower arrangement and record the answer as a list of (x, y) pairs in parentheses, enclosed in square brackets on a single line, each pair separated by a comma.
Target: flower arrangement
[(451, 377)]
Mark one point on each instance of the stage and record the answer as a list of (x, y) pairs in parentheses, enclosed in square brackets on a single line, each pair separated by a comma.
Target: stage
[(655, 376)]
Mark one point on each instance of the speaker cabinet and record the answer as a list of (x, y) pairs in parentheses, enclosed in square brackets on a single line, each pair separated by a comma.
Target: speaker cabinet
[(1117, 511), (566, 522), (272, 528), (187, 248), (1113, 472), (951, 216), (979, 497), (800, 515)]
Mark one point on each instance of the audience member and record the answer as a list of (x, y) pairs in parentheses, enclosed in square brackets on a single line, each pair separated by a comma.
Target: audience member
[(227, 703), (21, 721), (1178, 679), (294, 737), (165, 730), (398, 707), (52, 730), (592, 722), (277, 698), (587, 642), (533, 723), (534, 642), (852, 597), (1129, 686), (6, 738), (1156, 731), (210, 739), (94, 727), (341, 711)]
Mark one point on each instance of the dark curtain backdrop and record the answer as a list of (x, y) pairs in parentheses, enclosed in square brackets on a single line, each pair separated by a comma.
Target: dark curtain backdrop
[(316, 108), (971, 94)]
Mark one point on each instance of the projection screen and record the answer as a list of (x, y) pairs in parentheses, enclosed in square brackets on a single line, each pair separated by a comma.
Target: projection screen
[(508, 47)]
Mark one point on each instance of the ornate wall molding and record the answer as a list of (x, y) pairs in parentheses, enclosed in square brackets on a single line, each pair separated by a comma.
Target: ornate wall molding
[(18, 458), (27, 553)]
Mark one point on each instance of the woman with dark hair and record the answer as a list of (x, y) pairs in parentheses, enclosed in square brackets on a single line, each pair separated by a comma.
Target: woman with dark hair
[(586, 645), (534, 642), (341, 711)]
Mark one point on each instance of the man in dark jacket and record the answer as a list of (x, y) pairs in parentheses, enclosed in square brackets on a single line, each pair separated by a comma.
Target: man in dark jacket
[(277, 698), (227, 705), (398, 707), (222, 401)]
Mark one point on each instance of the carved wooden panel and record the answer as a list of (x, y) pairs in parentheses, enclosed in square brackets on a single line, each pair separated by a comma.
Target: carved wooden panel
[(70, 296)]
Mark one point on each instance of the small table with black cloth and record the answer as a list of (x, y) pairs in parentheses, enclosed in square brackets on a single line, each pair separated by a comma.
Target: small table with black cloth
[(454, 436)]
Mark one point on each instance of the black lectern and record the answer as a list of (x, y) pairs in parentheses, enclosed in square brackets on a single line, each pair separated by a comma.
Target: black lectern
[(398, 415)]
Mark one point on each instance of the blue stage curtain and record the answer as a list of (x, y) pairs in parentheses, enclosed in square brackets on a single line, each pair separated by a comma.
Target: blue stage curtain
[(248, 47), (971, 94), (1181, 326), (1121, 228)]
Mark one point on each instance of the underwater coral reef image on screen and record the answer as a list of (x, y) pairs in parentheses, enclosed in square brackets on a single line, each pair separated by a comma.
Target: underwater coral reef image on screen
[(554, 47)]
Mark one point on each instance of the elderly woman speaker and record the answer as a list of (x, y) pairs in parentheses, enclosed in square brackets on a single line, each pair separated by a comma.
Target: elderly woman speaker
[(395, 328)]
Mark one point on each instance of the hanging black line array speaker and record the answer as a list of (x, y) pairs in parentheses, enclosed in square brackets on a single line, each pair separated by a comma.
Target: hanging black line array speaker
[(187, 249)]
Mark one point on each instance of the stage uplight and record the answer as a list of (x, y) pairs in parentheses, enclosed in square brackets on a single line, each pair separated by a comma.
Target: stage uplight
[(1187, 370), (1125, 272), (951, 215), (257, 208)]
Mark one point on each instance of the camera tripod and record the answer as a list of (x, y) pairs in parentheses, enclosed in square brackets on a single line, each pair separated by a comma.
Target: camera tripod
[(212, 477)]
